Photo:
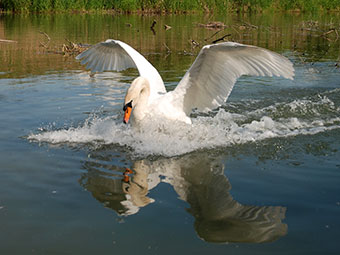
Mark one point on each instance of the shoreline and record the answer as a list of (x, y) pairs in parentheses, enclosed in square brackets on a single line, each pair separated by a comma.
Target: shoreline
[(161, 7)]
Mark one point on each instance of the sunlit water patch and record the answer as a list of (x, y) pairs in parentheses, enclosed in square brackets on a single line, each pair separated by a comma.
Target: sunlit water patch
[(306, 116)]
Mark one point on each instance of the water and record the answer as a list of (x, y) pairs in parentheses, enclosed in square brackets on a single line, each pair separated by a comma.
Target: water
[(258, 175)]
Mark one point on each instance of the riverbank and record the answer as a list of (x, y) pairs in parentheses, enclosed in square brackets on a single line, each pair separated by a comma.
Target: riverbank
[(167, 6)]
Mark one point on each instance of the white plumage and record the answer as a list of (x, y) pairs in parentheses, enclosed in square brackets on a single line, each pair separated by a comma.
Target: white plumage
[(205, 86)]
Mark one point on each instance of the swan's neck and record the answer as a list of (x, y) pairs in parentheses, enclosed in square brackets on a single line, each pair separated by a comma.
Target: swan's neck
[(140, 91), (141, 106)]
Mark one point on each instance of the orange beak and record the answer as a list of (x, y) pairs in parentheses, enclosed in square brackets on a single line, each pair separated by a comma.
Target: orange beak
[(126, 175), (127, 114)]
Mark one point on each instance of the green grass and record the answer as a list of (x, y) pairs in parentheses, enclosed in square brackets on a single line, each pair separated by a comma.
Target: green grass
[(168, 5)]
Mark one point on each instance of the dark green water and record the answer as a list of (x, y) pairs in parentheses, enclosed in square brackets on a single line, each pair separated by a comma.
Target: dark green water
[(260, 175)]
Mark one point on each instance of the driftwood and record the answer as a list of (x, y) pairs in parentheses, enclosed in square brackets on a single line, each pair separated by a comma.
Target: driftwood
[(246, 24), (221, 38), (45, 45), (7, 41), (153, 24), (330, 31), (194, 43), (206, 39), (68, 48), (167, 48), (314, 28), (153, 27), (73, 48), (213, 25), (167, 27)]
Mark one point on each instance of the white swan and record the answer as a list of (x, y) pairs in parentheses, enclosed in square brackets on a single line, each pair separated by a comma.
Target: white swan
[(205, 86)]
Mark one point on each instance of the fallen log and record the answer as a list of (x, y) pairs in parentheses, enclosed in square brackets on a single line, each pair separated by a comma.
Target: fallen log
[(7, 41)]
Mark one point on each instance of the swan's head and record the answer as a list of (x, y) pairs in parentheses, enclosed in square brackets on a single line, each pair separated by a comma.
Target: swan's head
[(136, 95)]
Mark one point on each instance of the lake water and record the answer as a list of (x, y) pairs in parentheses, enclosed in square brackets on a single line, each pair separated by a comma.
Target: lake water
[(260, 175)]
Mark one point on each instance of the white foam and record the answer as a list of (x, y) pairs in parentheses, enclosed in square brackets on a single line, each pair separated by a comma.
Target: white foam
[(222, 130)]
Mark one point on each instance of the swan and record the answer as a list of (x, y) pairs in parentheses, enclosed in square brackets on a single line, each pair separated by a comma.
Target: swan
[(205, 86)]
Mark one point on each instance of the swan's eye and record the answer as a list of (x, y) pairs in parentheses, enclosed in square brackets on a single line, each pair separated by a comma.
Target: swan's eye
[(129, 104)]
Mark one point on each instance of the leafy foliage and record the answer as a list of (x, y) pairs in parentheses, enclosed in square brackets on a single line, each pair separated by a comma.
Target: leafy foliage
[(167, 5)]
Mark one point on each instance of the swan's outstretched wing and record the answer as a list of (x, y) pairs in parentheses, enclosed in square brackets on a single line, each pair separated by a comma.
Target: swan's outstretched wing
[(209, 81), (114, 55)]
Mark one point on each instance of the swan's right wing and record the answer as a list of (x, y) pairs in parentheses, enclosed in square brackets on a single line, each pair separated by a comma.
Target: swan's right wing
[(210, 79), (114, 55)]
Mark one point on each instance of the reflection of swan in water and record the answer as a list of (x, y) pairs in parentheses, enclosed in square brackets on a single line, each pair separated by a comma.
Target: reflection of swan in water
[(199, 181)]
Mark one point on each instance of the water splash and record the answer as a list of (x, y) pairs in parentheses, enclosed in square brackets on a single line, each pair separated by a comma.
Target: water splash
[(299, 117)]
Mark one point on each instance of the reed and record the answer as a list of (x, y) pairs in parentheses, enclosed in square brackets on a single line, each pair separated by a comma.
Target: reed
[(168, 5)]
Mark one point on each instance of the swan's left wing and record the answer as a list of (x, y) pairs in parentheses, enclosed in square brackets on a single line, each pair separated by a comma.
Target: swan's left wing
[(210, 79), (114, 55)]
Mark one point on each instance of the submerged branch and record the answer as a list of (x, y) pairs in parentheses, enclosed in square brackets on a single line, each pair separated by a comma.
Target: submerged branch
[(73, 48), (213, 25), (167, 48), (45, 45), (221, 38), (153, 27), (206, 39)]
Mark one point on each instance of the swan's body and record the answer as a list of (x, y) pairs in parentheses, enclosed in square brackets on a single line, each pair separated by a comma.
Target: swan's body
[(205, 86)]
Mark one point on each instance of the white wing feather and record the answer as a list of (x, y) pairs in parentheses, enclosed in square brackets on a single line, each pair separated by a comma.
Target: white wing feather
[(114, 55), (210, 79)]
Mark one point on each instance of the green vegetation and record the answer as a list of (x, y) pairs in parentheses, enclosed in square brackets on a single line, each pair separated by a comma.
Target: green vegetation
[(168, 5)]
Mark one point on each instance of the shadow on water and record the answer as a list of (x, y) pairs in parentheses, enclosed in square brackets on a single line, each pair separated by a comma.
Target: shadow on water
[(198, 179)]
